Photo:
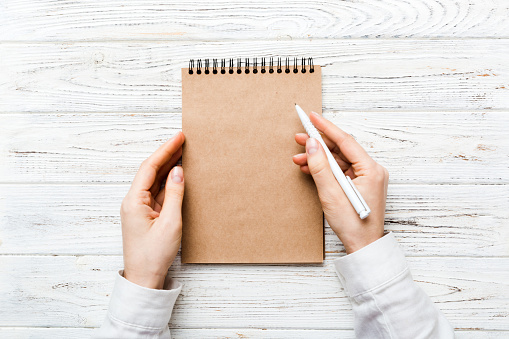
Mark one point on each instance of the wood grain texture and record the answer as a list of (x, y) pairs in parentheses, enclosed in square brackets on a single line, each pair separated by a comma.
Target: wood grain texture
[(89, 88), (69, 291), (46, 20), (214, 333), (430, 220), (45, 333), (437, 147), (362, 75)]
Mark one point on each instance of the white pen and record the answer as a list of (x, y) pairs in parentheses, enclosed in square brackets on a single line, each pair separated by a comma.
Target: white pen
[(344, 181)]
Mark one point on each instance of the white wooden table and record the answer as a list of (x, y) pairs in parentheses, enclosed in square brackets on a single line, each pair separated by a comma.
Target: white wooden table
[(88, 89)]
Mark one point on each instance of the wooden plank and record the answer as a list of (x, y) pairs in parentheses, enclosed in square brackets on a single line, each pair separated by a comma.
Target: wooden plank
[(46, 20), (68, 291), (429, 220), (45, 332), (416, 147), (357, 74), (475, 334), (213, 333), (303, 334)]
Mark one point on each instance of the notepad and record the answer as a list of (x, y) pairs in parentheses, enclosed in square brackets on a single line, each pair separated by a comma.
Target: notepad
[(245, 200)]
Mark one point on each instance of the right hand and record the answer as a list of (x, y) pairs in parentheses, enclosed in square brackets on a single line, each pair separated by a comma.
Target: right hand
[(370, 178)]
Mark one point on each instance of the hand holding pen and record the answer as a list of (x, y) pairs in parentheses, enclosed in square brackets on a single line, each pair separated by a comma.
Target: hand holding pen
[(370, 179)]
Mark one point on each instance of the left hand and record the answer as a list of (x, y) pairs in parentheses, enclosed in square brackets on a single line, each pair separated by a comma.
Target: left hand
[(152, 217)]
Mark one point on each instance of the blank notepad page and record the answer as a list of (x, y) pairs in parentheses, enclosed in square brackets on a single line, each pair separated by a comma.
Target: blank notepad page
[(245, 200)]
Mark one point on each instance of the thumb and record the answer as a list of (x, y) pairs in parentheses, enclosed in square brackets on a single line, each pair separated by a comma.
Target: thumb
[(174, 193), (319, 168)]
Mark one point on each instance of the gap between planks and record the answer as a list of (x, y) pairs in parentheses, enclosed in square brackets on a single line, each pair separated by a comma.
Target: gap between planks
[(81, 255), (229, 328), (325, 111), (128, 183), (159, 41)]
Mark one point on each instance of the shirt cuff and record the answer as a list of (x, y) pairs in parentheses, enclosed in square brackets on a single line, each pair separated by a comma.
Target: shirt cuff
[(139, 306), (371, 266)]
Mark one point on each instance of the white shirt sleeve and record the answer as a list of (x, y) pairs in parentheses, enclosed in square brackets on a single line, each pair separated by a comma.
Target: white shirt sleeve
[(386, 301), (139, 312)]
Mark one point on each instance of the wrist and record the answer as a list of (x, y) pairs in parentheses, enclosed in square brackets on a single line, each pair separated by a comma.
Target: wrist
[(148, 280), (356, 242)]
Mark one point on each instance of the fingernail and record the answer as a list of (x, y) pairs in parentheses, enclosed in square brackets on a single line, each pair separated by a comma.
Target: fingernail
[(311, 146), (177, 175), (313, 112)]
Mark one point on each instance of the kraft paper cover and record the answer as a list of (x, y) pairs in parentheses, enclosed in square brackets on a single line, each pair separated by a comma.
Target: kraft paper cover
[(245, 200)]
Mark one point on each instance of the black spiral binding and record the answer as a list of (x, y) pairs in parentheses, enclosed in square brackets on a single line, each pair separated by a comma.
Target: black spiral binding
[(244, 67)]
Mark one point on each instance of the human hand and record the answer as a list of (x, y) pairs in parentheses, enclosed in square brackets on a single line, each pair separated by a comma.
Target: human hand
[(370, 178), (152, 217)]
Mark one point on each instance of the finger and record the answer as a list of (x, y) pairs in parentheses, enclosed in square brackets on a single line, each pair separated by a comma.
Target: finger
[(302, 159), (305, 169), (302, 137), (163, 172), (319, 168), (159, 199), (350, 148), (147, 173), (174, 192), (350, 173)]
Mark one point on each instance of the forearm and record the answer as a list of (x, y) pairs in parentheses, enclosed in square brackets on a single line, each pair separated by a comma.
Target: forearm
[(139, 312), (386, 301)]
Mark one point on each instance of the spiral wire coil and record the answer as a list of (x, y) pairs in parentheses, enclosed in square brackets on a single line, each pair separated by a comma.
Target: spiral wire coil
[(203, 66)]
